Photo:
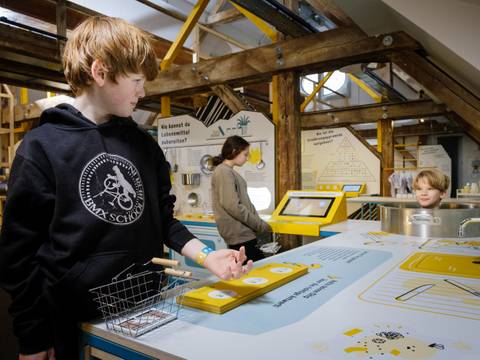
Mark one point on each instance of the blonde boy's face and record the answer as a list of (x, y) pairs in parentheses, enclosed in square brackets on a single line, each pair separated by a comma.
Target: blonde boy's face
[(121, 98), (427, 196)]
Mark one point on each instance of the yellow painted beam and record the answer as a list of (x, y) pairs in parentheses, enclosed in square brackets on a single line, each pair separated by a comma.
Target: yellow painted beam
[(185, 31), (274, 92), (365, 88), (377, 98), (259, 23), (165, 108), (379, 136), (315, 91), (177, 45)]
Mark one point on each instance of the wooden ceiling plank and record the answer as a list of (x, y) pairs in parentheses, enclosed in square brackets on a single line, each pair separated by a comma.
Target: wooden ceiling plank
[(31, 71), (218, 6), (223, 17), (45, 10), (27, 43), (32, 84)]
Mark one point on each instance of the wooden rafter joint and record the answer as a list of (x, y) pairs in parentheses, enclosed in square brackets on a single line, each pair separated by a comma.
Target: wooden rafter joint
[(324, 51)]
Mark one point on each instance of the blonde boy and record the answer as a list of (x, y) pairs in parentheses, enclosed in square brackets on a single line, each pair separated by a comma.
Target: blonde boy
[(89, 194), (430, 188)]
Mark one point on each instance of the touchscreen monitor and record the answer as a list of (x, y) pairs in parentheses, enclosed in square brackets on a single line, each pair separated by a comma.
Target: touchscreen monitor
[(307, 206), (351, 187)]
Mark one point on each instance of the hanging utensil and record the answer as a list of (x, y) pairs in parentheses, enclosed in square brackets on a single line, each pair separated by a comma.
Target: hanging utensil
[(192, 199), (261, 163), (191, 179), (206, 164), (175, 165)]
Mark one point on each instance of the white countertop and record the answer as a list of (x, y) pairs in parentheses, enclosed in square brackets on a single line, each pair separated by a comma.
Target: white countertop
[(351, 225), (390, 200), (354, 299)]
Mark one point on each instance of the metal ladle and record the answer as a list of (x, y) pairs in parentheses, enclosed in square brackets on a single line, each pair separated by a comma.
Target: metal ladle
[(261, 163)]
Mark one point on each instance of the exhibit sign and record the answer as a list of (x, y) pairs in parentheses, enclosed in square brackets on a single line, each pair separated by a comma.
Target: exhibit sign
[(189, 146), (337, 156)]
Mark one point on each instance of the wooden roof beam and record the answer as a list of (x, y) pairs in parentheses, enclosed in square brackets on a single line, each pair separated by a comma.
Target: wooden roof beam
[(27, 43), (430, 128), (324, 51), (440, 84), (230, 98), (223, 17), (371, 113), (334, 13), (45, 10)]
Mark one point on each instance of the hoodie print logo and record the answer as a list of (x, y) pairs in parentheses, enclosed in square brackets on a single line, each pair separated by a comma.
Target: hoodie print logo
[(111, 189)]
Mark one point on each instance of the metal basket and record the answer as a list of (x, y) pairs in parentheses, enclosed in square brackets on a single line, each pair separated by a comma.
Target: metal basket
[(140, 302)]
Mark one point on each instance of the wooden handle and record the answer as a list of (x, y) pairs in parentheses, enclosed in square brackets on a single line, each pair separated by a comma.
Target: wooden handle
[(181, 273), (165, 262)]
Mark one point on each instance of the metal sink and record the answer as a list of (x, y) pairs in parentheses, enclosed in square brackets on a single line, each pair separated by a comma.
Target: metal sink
[(449, 220)]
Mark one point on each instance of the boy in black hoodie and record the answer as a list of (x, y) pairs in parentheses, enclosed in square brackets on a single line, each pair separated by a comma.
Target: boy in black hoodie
[(89, 194)]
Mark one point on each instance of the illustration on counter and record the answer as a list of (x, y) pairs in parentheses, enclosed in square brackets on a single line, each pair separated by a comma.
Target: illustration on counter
[(453, 245), (443, 283), (387, 340), (382, 238)]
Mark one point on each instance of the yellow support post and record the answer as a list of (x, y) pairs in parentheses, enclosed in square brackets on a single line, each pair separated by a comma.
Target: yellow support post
[(315, 91), (165, 106), (273, 35), (379, 136), (172, 53), (23, 96), (377, 98)]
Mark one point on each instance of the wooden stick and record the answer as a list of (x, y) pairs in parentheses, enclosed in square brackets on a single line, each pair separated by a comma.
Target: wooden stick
[(180, 273), (165, 262)]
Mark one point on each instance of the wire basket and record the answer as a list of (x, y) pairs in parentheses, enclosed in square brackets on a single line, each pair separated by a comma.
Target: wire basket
[(140, 302)]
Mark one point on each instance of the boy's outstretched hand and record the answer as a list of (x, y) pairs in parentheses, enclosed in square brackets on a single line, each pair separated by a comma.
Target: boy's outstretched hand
[(228, 264)]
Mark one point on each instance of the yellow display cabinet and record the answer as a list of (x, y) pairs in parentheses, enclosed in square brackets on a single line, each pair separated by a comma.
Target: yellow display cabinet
[(350, 189), (304, 212)]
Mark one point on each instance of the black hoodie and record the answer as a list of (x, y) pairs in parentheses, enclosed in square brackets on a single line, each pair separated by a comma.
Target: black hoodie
[(84, 202)]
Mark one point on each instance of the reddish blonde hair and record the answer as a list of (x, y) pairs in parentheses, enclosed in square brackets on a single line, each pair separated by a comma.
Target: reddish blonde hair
[(120, 46), (435, 179)]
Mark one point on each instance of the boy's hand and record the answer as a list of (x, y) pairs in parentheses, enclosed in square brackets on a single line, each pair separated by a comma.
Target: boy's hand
[(44, 355), (228, 264)]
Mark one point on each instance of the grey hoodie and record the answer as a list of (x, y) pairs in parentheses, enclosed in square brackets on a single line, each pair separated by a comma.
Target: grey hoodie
[(236, 217)]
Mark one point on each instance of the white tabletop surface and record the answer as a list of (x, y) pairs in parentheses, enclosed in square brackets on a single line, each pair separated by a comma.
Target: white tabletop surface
[(355, 303)]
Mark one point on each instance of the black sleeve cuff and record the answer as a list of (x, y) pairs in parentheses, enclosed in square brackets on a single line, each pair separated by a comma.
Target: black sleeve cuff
[(178, 236)]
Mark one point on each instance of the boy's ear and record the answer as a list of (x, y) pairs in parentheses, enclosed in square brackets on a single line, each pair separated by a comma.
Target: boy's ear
[(99, 72), (443, 194)]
